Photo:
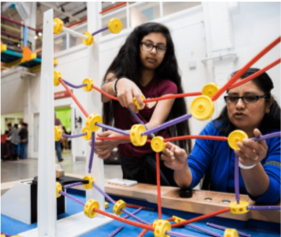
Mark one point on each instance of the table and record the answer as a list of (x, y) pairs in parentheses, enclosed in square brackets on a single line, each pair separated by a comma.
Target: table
[(255, 223)]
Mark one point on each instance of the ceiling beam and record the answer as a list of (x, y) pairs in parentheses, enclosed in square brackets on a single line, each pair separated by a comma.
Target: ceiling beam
[(60, 11)]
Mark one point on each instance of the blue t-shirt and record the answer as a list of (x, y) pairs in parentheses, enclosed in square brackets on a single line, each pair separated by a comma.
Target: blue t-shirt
[(217, 159)]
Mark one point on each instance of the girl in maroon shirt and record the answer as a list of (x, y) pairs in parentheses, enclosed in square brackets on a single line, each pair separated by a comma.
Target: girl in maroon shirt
[(145, 65)]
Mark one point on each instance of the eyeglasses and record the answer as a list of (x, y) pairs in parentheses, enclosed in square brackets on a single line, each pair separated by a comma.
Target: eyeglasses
[(247, 99), (147, 47)]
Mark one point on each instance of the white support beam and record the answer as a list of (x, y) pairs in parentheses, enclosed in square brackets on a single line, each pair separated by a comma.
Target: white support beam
[(60, 11)]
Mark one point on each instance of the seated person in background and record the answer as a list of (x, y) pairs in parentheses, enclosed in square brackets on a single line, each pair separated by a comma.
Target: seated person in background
[(251, 108)]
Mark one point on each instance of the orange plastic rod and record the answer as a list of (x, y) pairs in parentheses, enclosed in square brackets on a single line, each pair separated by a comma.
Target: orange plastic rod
[(256, 74), (158, 186), (144, 231), (74, 98), (104, 93), (140, 225), (172, 96), (245, 68), (218, 138), (201, 217)]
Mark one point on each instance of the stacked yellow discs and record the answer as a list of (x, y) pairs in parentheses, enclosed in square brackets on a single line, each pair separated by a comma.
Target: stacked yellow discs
[(158, 144), (91, 181), (115, 25), (135, 135), (89, 208), (161, 226), (117, 208), (89, 40), (240, 208), (136, 102), (202, 107), (230, 233), (57, 76), (58, 189), (58, 133), (59, 25), (91, 122), (89, 83), (210, 89), (235, 137)]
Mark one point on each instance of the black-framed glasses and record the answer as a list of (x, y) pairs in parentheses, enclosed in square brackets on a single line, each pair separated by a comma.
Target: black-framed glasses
[(247, 99), (147, 47)]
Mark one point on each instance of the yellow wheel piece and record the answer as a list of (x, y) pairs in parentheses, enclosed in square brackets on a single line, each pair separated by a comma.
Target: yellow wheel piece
[(202, 107), (91, 122), (59, 25), (58, 133), (135, 135), (115, 25), (240, 208), (91, 181), (120, 204), (89, 40), (230, 233), (235, 137), (3, 47), (160, 228), (210, 89), (106, 205), (58, 189), (57, 76), (89, 208), (2, 235), (89, 83), (136, 102), (88, 136), (158, 144), (178, 219), (55, 62)]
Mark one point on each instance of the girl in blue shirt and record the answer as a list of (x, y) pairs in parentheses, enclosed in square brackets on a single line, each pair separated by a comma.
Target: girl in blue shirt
[(251, 108)]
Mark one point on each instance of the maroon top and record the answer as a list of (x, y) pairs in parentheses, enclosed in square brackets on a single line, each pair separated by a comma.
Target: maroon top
[(124, 120)]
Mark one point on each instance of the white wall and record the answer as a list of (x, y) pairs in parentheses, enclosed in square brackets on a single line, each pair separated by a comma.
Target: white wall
[(197, 34)]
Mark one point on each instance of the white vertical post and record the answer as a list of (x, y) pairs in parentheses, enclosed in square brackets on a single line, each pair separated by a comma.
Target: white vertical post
[(93, 99), (47, 201)]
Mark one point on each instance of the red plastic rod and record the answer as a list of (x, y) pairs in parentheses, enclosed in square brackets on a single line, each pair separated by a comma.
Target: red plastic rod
[(140, 225), (172, 96), (144, 231), (104, 93), (74, 98), (110, 8), (245, 68), (18, 23), (201, 217), (256, 74), (218, 138), (158, 185)]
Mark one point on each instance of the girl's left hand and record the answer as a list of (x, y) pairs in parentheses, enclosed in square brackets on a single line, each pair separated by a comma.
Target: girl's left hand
[(251, 152), (104, 147)]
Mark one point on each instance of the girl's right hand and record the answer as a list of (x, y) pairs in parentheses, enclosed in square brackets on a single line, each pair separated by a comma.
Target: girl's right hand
[(126, 91), (174, 157)]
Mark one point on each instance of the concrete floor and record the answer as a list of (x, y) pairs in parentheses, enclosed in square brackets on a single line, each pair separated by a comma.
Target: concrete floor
[(23, 169)]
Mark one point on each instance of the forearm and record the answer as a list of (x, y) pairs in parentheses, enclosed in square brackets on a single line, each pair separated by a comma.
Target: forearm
[(256, 180), (108, 88), (183, 177)]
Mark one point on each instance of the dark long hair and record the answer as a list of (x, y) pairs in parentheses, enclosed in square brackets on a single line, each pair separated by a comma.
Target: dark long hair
[(127, 63), (269, 121)]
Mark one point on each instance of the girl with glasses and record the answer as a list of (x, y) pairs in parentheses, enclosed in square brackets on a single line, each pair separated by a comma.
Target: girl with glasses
[(250, 107), (146, 66)]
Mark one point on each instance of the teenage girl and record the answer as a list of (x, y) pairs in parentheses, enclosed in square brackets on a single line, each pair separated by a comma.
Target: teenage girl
[(145, 65)]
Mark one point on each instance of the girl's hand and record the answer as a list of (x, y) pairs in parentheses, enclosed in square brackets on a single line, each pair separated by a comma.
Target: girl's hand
[(104, 147), (174, 157), (251, 152), (126, 91)]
